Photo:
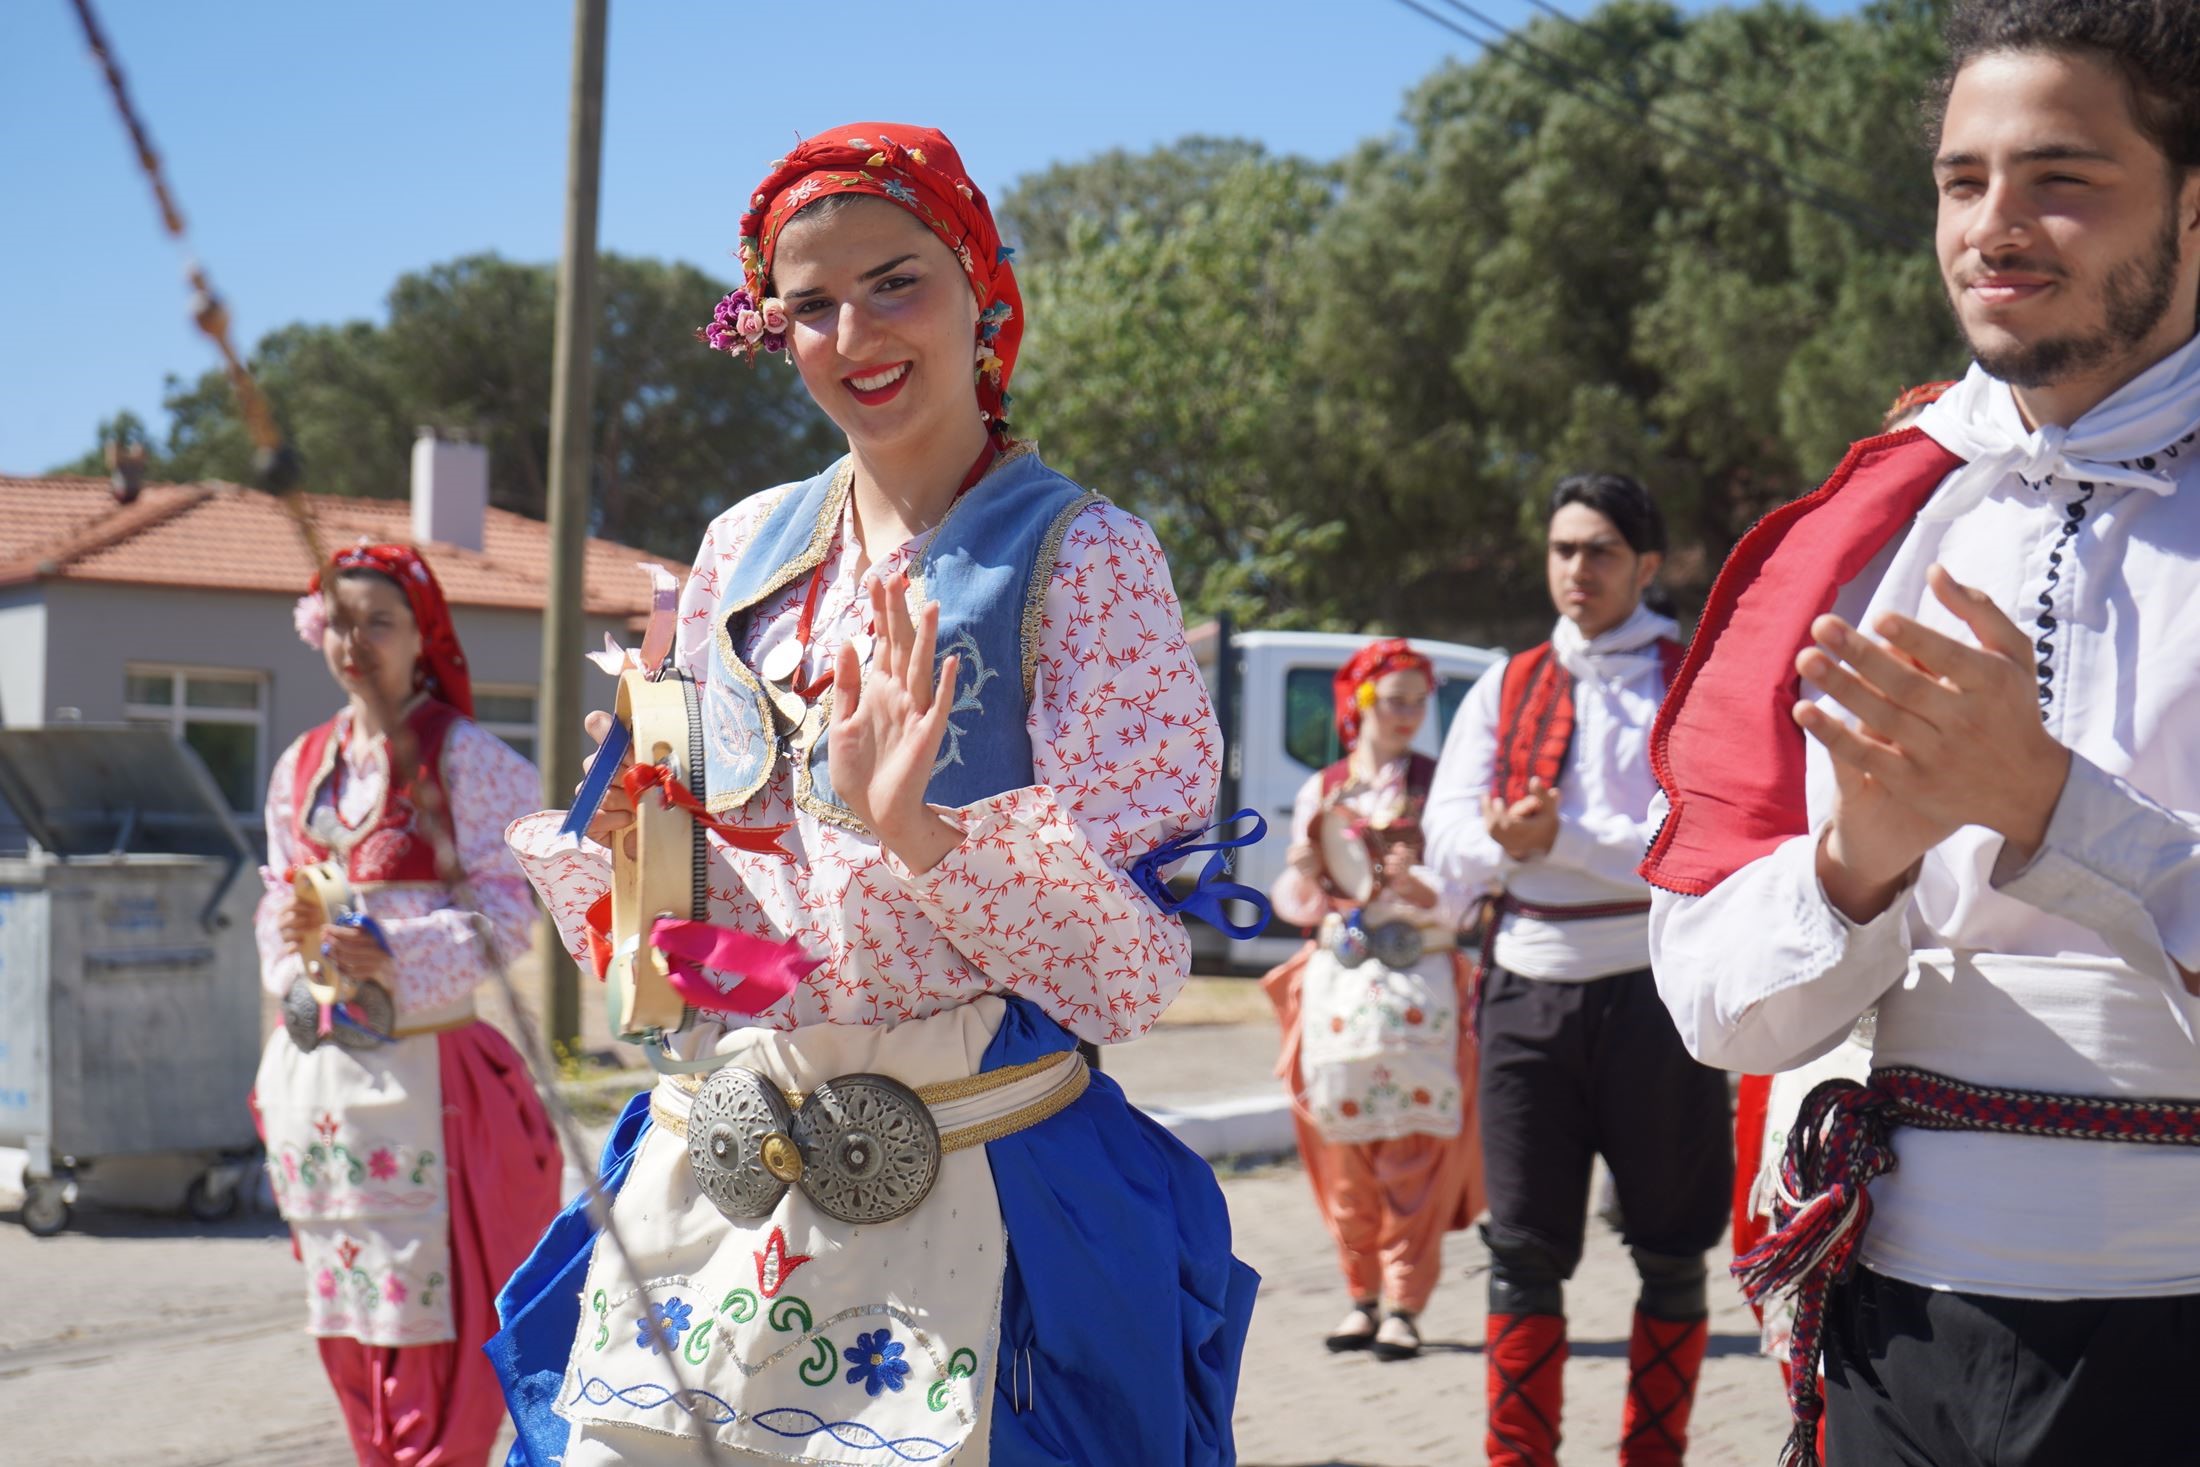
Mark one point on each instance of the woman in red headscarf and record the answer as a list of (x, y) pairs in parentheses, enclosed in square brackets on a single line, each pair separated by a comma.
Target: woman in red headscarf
[(1377, 1052), (406, 1149), (879, 1207)]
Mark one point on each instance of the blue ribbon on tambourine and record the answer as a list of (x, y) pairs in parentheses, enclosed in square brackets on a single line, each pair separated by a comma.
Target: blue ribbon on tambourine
[(365, 924), (610, 754), (341, 1013), (1214, 887)]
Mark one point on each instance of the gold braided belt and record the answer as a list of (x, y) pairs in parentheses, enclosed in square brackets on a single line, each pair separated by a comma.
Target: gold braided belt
[(863, 1148)]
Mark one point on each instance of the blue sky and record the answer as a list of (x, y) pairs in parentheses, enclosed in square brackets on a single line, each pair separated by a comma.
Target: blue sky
[(320, 148)]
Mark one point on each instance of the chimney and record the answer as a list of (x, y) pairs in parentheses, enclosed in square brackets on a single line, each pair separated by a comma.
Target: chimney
[(450, 489)]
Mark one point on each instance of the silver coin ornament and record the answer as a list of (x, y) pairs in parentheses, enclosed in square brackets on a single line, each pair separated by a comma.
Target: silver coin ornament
[(1396, 944), (870, 1148), (302, 1017), (736, 1114), (374, 1019), (370, 1007), (863, 1148), (782, 662)]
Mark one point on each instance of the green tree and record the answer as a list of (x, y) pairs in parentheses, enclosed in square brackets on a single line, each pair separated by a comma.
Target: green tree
[(1694, 248), (1646, 246), (680, 432), (124, 427), (1041, 211), (1162, 366)]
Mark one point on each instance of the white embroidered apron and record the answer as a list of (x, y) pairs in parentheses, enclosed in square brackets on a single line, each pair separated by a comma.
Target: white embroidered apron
[(354, 1153), (796, 1337), (1379, 1046)]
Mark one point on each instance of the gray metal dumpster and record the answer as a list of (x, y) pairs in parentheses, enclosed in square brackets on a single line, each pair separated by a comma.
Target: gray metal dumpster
[(129, 980)]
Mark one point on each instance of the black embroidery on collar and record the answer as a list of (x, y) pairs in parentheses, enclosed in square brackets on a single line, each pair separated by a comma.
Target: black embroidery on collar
[(2045, 644)]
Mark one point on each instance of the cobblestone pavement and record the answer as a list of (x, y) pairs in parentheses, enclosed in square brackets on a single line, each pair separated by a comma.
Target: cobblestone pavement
[(138, 1339), (1301, 1407)]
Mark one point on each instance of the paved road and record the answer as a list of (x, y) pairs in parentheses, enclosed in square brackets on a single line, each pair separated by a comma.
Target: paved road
[(135, 1339)]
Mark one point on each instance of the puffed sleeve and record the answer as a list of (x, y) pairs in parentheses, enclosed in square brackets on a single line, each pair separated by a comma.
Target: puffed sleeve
[(1125, 756)]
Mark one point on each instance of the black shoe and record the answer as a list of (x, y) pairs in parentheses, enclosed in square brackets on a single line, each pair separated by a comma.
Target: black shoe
[(1355, 1332), (1397, 1339)]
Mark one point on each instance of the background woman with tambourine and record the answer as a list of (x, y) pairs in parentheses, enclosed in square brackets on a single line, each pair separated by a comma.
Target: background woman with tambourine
[(926, 713), (407, 1150), (1376, 1050)]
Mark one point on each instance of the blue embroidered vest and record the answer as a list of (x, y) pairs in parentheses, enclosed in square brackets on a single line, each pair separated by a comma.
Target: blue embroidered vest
[(987, 566)]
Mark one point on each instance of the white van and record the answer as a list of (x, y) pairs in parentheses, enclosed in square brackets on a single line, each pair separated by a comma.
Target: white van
[(1271, 692)]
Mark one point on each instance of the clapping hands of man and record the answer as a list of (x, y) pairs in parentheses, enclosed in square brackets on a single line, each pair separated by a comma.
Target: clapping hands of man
[(1945, 735)]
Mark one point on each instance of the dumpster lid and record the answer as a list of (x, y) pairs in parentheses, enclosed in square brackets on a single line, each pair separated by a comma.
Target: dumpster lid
[(102, 789)]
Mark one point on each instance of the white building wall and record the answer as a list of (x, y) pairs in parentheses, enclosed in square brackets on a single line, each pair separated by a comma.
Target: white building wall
[(97, 631), (23, 657)]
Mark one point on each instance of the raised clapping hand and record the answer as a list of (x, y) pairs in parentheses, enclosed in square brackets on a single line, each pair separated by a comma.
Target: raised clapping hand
[(887, 726), (1527, 828), (1400, 883), (1945, 736)]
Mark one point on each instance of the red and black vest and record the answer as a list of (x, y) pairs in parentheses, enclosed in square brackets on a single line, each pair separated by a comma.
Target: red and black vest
[(1535, 717), (389, 845), (1725, 749)]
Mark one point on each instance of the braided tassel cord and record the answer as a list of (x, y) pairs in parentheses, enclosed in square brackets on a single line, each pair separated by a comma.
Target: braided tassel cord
[(1838, 1147)]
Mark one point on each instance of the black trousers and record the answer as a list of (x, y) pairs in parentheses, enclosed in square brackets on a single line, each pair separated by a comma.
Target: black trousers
[(1570, 1071), (1919, 1377)]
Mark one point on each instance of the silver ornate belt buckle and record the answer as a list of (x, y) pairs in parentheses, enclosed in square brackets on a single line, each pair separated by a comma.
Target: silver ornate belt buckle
[(370, 1007), (1396, 944), (863, 1148)]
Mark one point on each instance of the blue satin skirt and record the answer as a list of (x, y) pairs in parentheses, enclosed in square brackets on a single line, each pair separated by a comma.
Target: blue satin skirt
[(1118, 1263)]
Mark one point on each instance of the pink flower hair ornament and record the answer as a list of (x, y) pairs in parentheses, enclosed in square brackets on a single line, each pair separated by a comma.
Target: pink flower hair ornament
[(310, 617), (741, 328)]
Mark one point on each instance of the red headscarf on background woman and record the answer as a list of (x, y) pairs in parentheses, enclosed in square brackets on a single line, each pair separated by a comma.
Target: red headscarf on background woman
[(442, 660), (915, 167), (1354, 684)]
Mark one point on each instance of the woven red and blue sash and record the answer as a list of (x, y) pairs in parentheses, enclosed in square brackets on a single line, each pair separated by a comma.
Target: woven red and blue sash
[(1842, 1142)]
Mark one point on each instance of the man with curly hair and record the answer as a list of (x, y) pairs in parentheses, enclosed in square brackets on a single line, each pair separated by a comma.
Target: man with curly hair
[(1967, 821)]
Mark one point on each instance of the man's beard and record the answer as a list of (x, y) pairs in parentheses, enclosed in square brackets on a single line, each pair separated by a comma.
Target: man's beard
[(2136, 295)]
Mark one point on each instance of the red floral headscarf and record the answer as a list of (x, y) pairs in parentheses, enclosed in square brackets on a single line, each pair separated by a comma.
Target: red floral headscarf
[(915, 167), (1354, 685), (442, 660)]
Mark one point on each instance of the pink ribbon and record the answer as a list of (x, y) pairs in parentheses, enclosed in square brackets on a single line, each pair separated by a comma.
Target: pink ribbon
[(732, 972)]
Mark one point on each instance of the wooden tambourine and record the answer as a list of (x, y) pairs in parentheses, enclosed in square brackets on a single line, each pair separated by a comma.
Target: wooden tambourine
[(660, 866), (323, 887)]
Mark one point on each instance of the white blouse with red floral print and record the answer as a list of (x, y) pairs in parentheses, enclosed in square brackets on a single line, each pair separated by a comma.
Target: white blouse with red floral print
[(1034, 900), (440, 947)]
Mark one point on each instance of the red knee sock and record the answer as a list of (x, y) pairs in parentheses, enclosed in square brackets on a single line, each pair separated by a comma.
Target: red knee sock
[(1663, 1360), (1527, 1364)]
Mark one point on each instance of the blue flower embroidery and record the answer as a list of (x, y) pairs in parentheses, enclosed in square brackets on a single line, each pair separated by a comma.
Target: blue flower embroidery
[(661, 1328), (899, 191), (876, 1363)]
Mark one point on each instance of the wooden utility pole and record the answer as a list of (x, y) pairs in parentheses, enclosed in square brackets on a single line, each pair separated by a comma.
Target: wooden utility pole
[(572, 396)]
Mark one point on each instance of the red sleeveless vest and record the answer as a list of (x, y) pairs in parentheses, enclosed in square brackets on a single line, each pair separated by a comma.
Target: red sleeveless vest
[(389, 846), (1725, 750), (1535, 718)]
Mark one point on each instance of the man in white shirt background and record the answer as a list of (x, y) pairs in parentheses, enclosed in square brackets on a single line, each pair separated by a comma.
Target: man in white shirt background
[(1542, 798), (1987, 629)]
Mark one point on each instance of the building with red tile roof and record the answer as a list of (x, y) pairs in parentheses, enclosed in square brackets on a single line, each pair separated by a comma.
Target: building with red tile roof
[(175, 608)]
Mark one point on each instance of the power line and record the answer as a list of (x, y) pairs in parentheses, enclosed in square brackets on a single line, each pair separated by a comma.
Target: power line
[(1631, 111), (1856, 211), (1802, 140)]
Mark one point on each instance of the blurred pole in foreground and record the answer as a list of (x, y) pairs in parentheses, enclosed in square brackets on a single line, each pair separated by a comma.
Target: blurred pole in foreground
[(572, 395)]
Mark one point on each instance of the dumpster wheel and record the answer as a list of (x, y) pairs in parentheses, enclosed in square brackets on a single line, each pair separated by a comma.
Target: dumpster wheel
[(45, 1209), (211, 1198)]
